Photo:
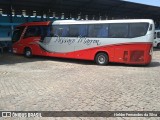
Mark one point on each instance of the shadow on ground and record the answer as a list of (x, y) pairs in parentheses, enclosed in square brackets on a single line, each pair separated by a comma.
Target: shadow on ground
[(9, 58), (156, 49)]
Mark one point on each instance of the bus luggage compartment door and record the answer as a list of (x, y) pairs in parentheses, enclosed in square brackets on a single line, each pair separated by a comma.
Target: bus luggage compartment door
[(121, 55)]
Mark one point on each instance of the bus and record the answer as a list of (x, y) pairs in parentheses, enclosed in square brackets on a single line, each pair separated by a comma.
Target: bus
[(157, 39), (102, 41)]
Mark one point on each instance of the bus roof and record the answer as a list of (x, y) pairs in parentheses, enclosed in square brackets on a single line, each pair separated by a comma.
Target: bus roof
[(64, 22), (36, 23), (61, 22)]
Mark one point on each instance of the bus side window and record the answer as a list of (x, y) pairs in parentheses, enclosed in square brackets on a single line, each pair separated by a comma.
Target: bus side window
[(138, 29), (50, 31), (46, 31), (61, 31), (92, 31), (73, 31), (83, 30), (118, 30), (32, 31), (98, 30), (17, 34), (103, 32)]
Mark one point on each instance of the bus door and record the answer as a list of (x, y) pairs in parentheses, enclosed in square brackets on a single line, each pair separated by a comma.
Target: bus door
[(121, 54), (30, 39), (16, 39)]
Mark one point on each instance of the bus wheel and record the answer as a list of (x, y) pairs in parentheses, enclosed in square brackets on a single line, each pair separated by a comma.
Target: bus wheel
[(158, 45), (28, 52), (102, 59)]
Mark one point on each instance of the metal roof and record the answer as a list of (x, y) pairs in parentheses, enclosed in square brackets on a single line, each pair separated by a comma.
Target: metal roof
[(104, 8)]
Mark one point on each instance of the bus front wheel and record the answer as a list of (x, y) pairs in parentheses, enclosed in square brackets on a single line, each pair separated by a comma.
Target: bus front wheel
[(28, 52), (102, 59)]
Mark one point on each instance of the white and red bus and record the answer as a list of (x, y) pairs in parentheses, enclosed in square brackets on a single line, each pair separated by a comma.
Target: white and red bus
[(121, 41)]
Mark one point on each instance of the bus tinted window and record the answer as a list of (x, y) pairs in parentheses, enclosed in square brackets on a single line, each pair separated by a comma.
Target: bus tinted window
[(138, 29), (113, 30), (118, 30), (32, 31), (83, 30), (37, 31), (73, 31), (17, 34), (99, 30), (61, 30), (46, 31), (70, 30)]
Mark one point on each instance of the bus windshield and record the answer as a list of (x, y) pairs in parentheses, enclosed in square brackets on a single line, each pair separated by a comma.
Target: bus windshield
[(17, 34)]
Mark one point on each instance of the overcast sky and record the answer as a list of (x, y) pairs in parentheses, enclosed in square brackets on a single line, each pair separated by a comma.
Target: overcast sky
[(148, 2)]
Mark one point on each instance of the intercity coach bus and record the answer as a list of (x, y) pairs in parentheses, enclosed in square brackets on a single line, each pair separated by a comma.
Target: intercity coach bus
[(103, 41)]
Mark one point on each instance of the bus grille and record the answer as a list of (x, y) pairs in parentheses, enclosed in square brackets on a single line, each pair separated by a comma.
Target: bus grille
[(137, 56)]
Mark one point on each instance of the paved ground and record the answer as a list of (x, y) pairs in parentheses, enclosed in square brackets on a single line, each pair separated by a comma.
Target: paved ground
[(50, 84)]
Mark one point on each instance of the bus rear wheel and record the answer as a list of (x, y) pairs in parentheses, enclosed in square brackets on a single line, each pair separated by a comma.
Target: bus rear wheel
[(28, 52), (102, 59)]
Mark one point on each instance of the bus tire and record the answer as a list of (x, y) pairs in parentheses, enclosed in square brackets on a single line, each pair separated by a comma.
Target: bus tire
[(158, 45), (102, 59), (28, 52)]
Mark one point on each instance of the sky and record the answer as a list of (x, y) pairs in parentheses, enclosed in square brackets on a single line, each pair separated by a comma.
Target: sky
[(148, 2)]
